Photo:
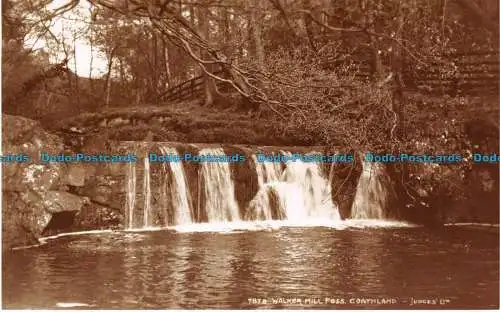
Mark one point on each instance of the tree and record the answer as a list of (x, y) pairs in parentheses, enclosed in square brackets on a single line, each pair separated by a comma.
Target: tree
[(315, 65)]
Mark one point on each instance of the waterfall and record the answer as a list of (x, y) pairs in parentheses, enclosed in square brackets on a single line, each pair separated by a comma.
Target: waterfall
[(316, 191), (372, 193), (277, 201), (179, 192), (295, 192), (147, 194), (267, 171), (220, 201), (301, 192), (261, 207), (130, 198)]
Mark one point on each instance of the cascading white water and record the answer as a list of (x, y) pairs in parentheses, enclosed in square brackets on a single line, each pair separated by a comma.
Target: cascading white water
[(371, 194), (220, 201), (179, 192), (268, 174), (147, 195), (259, 168), (301, 190), (130, 199), (317, 201), (300, 195), (267, 171), (315, 188)]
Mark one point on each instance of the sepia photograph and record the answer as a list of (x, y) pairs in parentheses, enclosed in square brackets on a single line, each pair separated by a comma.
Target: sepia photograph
[(250, 154)]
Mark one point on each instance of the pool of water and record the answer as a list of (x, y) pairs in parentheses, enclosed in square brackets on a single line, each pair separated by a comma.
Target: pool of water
[(259, 267)]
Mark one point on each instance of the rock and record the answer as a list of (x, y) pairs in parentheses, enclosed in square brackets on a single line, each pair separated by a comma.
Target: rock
[(95, 216), (21, 126), (22, 223), (106, 190), (344, 179), (244, 177), (75, 175), (31, 190), (58, 201), (41, 177)]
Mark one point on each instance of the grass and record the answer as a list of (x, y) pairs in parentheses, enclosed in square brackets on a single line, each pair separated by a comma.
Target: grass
[(185, 122)]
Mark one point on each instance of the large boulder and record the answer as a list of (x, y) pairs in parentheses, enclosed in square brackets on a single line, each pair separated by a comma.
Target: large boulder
[(344, 182), (59, 201), (22, 221), (32, 191)]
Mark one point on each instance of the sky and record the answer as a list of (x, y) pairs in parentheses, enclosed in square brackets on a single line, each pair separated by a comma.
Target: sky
[(62, 27)]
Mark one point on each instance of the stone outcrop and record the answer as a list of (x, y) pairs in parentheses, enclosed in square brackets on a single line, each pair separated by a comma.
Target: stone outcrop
[(32, 192)]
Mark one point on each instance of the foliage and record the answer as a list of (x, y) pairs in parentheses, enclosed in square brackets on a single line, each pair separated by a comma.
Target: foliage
[(327, 72)]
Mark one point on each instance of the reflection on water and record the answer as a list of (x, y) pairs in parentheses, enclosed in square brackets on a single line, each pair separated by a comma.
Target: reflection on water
[(170, 269)]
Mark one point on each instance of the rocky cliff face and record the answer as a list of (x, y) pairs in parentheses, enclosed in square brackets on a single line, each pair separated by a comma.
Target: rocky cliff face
[(32, 192), (47, 198)]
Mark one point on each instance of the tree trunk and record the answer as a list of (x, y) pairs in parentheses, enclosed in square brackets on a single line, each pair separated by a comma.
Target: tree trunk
[(376, 62), (166, 58), (307, 23), (257, 44), (77, 86), (91, 41), (227, 40), (208, 83), (397, 87), (154, 74), (108, 78)]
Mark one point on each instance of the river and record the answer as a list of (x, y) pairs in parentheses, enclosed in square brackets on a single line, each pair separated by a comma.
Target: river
[(259, 265)]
